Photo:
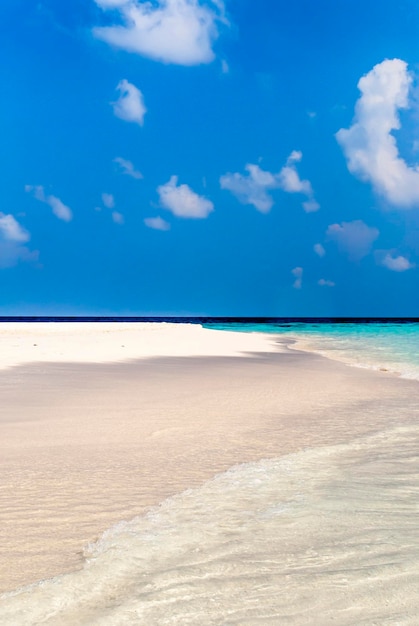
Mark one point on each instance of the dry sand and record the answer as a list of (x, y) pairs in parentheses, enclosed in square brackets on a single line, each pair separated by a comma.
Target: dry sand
[(104, 342), (84, 444)]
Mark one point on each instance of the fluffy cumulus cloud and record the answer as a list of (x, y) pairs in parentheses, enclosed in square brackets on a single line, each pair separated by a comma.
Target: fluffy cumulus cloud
[(126, 167), (171, 31), (369, 145), (157, 223), (11, 230), (182, 201), (297, 272), (395, 263), (353, 238), (60, 210), (130, 104), (12, 236), (251, 188), (254, 187), (289, 178)]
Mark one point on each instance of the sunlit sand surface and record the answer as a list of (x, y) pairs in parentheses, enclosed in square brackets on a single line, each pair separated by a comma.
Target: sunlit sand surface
[(86, 445), (104, 342)]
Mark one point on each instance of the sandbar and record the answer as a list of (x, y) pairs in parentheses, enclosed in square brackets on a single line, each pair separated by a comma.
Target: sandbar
[(100, 422)]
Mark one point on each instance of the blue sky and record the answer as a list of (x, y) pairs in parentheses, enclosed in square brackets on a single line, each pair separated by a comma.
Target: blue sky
[(198, 157)]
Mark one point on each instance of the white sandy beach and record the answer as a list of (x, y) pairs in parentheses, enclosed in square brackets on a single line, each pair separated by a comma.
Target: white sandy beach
[(101, 421), (82, 447), (105, 342)]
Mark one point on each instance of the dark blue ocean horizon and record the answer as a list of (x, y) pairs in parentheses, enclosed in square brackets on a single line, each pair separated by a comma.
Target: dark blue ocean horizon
[(209, 319)]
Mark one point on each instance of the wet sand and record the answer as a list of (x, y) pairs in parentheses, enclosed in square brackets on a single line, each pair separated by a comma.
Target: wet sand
[(83, 446)]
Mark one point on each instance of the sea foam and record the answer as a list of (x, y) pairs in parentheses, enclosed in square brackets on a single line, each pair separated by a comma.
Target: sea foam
[(326, 535)]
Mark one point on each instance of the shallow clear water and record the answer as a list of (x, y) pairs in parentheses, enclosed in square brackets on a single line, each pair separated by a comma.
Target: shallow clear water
[(324, 536), (378, 345)]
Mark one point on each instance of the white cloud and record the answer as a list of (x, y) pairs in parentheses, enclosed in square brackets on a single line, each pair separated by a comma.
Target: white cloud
[(130, 104), (396, 263), (157, 223), (182, 201), (128, 168), (117, 217), (369, 146), (295, 157), (171, 31), (354, 238), (108, 200), (311, 206), (326, 283), (298, 273), (291, 182), (11, 230), (12, 253), (319, 250), (59, 209), (289, 179), (225, 68), (37, 191), (253, 188), (12, 235)]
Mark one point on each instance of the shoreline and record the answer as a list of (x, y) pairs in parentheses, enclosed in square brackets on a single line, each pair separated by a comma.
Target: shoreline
[(88, 445)]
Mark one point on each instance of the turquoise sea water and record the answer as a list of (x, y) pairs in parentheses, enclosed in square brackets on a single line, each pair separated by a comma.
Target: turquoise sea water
[(328, 535), (393, 346)]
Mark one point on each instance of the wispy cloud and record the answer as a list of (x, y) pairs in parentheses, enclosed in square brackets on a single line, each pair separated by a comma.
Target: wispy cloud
[(108, 200), (397, 263), (225, 68), (12, 253), (157, 223), (128, 168), (353, 238), (60, 210), (130, 104), (182, 201), (369, 145), (298, 273), (326, 283), (12, 236), (255, 186), (319, 250), (311, 206), (117, 217), (181, 32)]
